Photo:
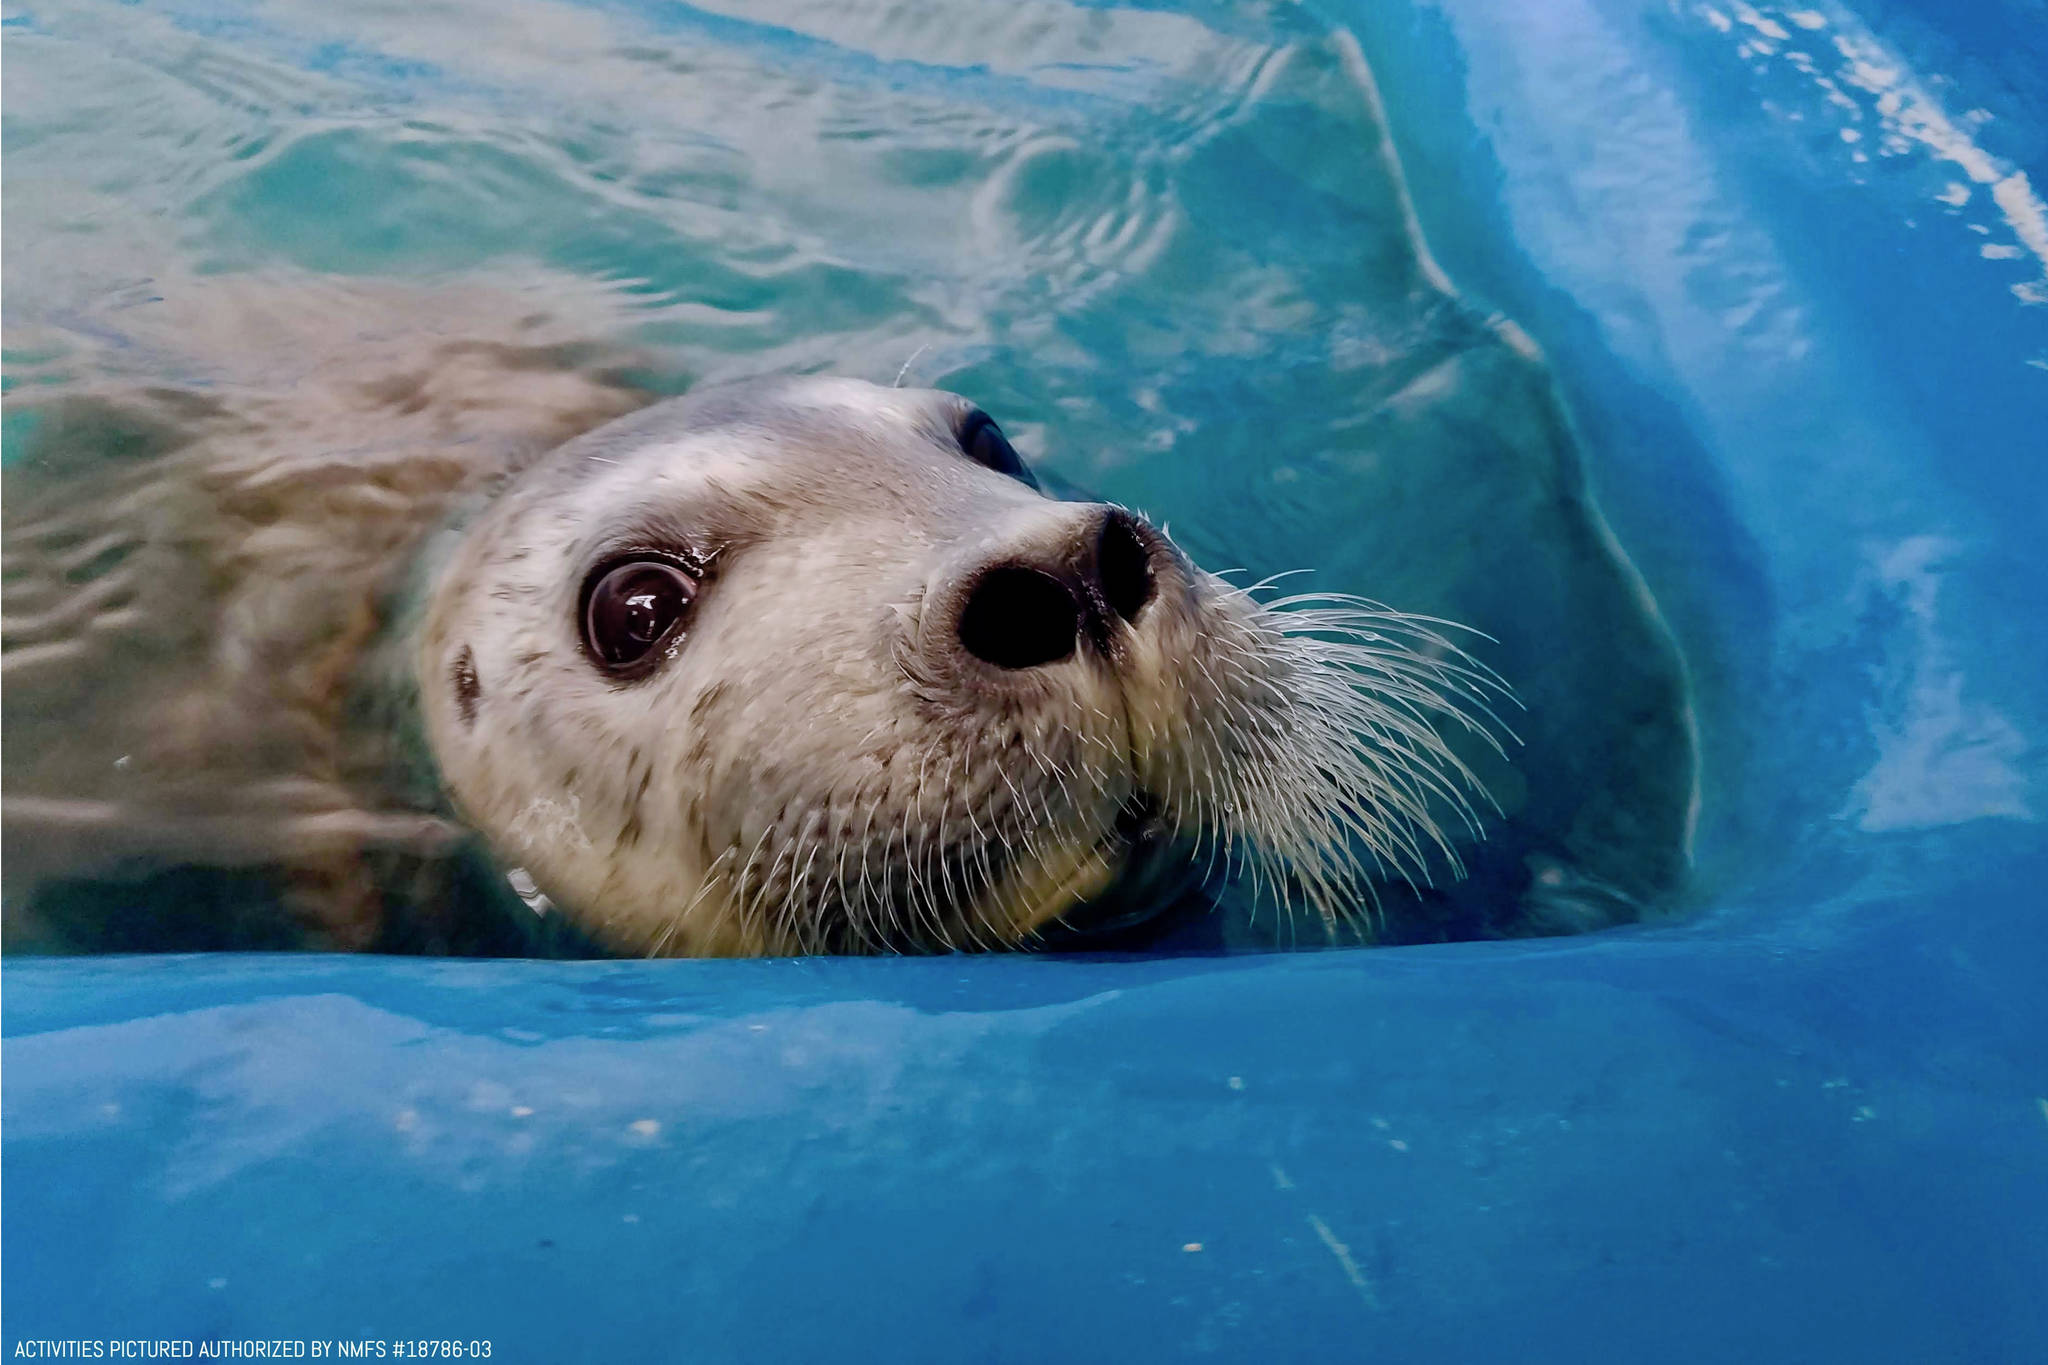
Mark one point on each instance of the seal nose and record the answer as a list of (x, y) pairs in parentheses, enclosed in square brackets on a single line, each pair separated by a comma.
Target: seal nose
[(1031, 610), (1123, 565)]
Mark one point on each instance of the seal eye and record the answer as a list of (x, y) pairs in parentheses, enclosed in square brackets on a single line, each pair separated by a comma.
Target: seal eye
[(468, 691), (984, 443), (630, 608)]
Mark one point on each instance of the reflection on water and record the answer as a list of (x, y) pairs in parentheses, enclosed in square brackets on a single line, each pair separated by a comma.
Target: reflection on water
[(287, 281)]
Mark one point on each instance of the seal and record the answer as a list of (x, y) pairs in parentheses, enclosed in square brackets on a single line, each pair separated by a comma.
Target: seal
[(784, 666), (812, 665)]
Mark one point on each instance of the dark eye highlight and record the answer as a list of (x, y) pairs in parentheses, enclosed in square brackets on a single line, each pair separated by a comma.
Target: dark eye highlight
[(631, 608), (984, 443)]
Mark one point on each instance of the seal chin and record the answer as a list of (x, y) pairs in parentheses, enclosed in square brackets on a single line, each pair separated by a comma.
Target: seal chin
[(1155, 873)]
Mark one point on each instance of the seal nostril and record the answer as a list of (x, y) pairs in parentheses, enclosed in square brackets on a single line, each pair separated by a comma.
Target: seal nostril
[(1125, 564), (1019, 618)]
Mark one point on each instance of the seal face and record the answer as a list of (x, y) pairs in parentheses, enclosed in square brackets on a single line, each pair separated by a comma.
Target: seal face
[(813, 665)]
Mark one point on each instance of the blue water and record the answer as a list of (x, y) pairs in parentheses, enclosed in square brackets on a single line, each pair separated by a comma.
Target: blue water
[(1787, 267)]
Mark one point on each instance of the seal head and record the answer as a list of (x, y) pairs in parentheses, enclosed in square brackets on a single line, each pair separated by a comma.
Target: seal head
[(813, 665)]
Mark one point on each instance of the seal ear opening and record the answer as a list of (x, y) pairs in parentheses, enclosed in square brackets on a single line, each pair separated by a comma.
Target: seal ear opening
[(468, 691)]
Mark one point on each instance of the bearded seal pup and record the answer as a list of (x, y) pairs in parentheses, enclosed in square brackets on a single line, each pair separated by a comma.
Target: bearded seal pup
[(784, 666)]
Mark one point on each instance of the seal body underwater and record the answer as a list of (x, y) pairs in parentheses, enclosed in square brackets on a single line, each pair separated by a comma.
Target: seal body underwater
[(197, 586), (808, 665)]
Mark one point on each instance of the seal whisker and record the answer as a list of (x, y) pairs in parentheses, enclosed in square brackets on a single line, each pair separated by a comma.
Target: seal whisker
[(912, 360), (1320, 735)]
